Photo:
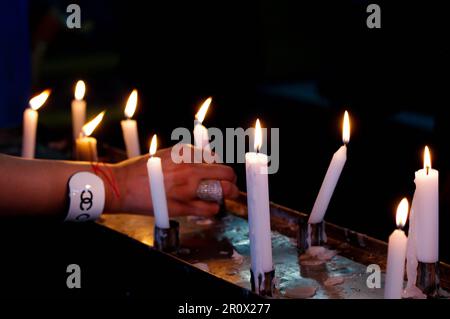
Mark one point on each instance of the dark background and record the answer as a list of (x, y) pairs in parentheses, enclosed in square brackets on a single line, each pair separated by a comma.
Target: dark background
[(297, 65)]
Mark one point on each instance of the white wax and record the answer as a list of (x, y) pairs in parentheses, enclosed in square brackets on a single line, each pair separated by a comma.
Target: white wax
[(158, 192), (131, 137), (258, 213), (411, 252), (328, 185), (395, 268), (86, 149), (201, 137), (30, 119), (78, 117), (426, 210)]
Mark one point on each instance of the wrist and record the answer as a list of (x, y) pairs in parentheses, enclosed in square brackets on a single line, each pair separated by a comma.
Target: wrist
[(113, 188)]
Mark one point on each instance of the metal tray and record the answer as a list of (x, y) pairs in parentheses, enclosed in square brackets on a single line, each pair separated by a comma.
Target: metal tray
[(220, 246)]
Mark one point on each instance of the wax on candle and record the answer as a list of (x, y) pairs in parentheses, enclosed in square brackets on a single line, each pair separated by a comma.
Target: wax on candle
[(395, 267), (426, 211), (411, 253), (157, 189), (201, 137), (129, 127), (258, 208), (331, 177), (86, 146), (30, 119), (78, 109)]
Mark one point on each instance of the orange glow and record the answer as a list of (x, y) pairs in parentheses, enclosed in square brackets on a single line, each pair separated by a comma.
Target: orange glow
[(426, 158), (130, 108), (200, 116), (258, 136), (402, 213), (39, 100), (346, 128), (80, 90), (89, 127), (153, 145)]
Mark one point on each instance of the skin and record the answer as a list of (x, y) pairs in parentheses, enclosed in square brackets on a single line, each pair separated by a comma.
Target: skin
[(39, 187)]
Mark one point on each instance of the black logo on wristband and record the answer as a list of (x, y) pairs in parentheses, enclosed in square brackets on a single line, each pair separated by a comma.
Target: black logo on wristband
[(86, 198)]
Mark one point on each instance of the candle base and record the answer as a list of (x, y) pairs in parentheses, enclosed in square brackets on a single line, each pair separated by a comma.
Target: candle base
[(167, 239), (310, 235), (428, 278), (265, 284)]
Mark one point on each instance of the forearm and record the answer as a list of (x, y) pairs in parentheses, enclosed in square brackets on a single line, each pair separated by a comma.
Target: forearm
[(39, 187)]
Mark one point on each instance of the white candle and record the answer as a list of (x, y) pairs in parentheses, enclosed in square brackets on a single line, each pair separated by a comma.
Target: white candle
[(395, 268), (331, 177), (157, 189), (201, 137), (30, 120), (258, 208), (426, 212), (86, 146), (78, 109), (129, 127)]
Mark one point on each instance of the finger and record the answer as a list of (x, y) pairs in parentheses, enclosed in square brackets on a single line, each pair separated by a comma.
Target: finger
[(202, 208), (184, 192), (229, 190), (177, 208), (214, 171)]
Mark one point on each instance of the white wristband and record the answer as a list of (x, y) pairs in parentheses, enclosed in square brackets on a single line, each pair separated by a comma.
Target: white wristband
[(87, 197)]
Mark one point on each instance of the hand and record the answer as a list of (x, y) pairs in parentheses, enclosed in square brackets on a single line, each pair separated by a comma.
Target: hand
[(181, 182)]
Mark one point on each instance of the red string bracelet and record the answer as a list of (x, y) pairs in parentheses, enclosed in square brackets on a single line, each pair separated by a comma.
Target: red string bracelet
[(111, 179)]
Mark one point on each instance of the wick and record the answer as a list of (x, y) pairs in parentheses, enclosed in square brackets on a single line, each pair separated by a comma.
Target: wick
[(428, 170)]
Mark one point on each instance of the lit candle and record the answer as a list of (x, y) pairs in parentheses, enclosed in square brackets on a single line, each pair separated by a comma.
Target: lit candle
[(78, 109), (331, 177), (30, 119), (157, 189), (258, 209), (129, 127), (201, 137), (426, 212), (395, 268), (86, 146)]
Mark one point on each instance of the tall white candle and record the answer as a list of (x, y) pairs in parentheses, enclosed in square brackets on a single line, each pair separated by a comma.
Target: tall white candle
[(395, 268), (129, 127), (258, 208), (30, 120), (331, 177), (426, 211), (86, 146), (157, 189), (78, 109), (201, 137)]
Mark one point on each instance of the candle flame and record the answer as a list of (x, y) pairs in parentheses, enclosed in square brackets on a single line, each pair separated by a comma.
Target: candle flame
[(39, 100), (402, 213), (258, 136), (130, 108), (80, 90), (200, 116), (153, 145), (89, 127), (346, 129), (426, 158)]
